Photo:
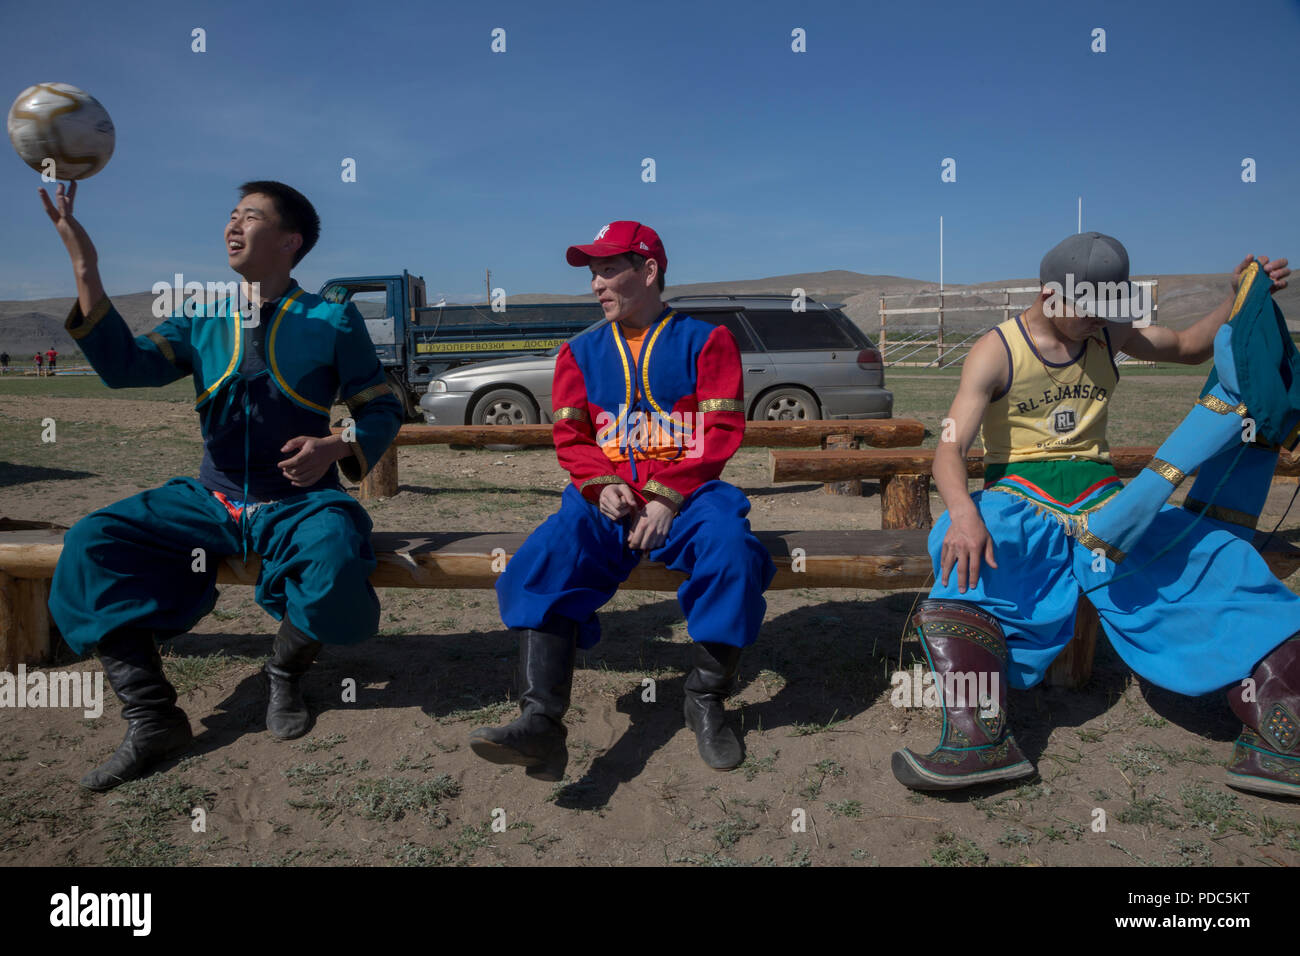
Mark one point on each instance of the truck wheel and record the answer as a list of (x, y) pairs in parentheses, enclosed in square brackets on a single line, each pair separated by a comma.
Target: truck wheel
[(787, 404)]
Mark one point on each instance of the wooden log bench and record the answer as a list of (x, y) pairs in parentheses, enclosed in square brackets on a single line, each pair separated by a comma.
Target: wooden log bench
[(904, 474), (876, 432), (871, 560), (868, 560)]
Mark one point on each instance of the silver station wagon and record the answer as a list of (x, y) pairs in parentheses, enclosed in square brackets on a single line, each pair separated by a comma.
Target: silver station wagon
[(797, 365)]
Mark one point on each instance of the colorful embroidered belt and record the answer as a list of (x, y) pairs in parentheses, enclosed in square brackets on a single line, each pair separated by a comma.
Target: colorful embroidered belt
[(1064, 488)]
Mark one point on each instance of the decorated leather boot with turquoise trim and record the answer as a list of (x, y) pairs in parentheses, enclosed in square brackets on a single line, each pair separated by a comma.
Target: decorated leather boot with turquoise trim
[(967, 653), (1266, 757)]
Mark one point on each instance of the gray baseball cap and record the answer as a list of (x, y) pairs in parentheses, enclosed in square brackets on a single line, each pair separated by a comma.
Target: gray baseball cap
[(1090, 270)]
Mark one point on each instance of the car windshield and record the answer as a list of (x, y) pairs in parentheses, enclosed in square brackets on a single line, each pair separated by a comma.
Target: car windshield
[(551, 353)]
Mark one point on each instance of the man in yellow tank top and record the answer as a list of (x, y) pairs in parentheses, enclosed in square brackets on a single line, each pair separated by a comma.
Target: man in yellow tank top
[(1036, 389)]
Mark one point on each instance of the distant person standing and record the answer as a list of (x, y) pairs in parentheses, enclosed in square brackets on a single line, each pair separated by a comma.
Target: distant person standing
[(4, 361), (51, 356), (39, 361)]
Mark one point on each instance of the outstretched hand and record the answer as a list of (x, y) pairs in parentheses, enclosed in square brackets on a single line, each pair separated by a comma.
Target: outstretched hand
[(1275, 269), (74, 236)]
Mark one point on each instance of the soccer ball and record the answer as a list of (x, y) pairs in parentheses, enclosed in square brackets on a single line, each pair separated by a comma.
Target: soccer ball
[(60, 123)]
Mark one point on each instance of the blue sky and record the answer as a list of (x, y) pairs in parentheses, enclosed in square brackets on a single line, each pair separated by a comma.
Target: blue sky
[(767, 161)]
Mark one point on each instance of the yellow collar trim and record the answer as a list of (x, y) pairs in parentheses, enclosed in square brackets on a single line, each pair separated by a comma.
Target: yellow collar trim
[(275, 367)]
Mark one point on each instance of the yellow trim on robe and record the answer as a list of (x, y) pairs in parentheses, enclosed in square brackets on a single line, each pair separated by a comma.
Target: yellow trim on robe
[(1170, 473), (1243, 288), (275, 368), (234, 360), (88, 322), (645, 372), (659, 488), (164, 346), (1220, 513), (602, 480), (721, 405), (627, 375), (1092, 543)]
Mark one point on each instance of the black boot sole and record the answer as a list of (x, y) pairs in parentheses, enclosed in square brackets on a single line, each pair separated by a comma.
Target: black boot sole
[(549, 768), (149, 768), (494, 752)]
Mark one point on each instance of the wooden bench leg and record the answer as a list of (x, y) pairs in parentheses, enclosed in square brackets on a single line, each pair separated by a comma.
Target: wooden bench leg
[(24, 622), (905, 502), (852, 486), (1073, 666), (382, 480)]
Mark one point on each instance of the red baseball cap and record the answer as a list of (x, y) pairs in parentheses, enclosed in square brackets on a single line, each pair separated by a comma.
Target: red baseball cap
[(617, 239)]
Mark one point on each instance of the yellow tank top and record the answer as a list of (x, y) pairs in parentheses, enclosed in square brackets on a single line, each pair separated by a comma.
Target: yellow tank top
[(1046, 410)]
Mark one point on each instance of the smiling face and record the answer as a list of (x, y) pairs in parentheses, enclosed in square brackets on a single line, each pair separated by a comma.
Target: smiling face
[(257, 244), (625, 292)]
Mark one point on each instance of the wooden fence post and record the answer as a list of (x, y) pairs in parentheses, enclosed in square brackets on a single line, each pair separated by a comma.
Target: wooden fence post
[(382, 480), (1073, 666), (851, 486), (24, 621), (905, 502)]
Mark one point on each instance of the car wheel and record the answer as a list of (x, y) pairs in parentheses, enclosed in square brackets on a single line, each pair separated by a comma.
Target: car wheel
[(504, 406), (786, 405)]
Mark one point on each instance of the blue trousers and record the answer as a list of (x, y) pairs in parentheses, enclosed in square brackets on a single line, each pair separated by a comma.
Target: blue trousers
[(575, 561), (1195, 618), (133, 564)]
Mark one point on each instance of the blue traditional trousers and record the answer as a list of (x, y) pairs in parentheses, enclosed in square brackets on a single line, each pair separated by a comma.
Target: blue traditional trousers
[(1196, 619), (575, 561), (133, 564), (1185, 599)]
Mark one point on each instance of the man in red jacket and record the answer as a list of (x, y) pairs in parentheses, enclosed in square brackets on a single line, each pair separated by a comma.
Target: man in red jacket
[(648, 408)]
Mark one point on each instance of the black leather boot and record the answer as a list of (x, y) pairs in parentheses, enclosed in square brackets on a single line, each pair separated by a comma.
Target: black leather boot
[(156, 728), (536, 738), (292, 653), (707, 686)]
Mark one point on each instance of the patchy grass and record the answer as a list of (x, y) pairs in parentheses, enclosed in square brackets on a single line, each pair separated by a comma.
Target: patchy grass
[(1137, 760), (328, 742), (951, 850), (815, 777), (151, 812), (753, 766), (807, 729), (484, 715), (846, 808), (1212, 808), (1149, 810), (190, 673)]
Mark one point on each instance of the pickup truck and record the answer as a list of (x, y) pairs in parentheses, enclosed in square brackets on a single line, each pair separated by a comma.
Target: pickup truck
[(416, 342)]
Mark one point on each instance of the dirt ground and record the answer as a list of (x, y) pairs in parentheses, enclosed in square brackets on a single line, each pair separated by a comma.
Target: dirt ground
[(390, 779)]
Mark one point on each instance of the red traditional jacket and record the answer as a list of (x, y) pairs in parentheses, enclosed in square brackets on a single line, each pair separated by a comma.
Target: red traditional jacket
[(663, 423)]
